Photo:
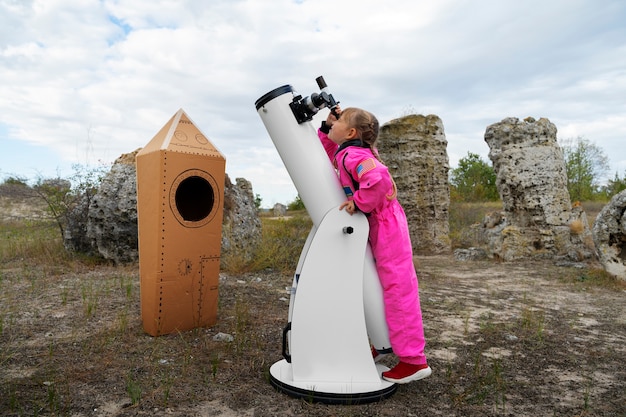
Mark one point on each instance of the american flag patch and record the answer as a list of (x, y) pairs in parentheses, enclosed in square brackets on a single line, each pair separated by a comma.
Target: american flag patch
[(365, 166)]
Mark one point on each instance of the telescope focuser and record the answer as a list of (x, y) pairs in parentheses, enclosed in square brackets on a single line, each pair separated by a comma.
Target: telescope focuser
[(305, 108)]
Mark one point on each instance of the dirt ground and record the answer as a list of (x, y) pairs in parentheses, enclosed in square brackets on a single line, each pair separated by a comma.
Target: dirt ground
[(505, 339)]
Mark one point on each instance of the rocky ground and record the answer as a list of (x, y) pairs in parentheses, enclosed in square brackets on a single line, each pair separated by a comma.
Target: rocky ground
[(512, 339)]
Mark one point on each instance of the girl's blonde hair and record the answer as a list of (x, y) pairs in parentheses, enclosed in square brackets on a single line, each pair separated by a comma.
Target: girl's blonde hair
[(365, 124)]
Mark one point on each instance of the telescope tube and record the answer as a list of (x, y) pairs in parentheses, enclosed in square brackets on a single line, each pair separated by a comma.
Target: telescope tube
[(303, 156), (320, 190)]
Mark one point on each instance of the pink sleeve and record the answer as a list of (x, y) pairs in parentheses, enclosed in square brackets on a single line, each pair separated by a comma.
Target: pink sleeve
[(329, 146), (371, 193)]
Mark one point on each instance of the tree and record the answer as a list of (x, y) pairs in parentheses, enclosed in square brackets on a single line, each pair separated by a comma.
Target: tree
[(68, 200), (586, 164), (56, 193), (474, 180), (296, 204), (258, 201), (614, 186)]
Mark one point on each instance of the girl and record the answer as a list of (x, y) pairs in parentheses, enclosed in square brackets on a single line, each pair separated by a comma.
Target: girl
[(349, 141)]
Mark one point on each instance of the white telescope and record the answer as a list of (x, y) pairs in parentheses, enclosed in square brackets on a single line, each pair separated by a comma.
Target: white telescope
[(336, 308)]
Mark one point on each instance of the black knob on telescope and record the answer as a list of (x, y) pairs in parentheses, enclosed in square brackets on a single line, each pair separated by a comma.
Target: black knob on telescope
[(348, 230)]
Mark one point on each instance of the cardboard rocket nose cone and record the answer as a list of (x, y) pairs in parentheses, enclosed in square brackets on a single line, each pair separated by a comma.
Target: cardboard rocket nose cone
[(180, 134), (180, 200)]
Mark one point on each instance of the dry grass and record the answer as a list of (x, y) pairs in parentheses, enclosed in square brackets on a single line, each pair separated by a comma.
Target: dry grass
[(465, 220), (592, 208), (35, 240), (503, 339), (281, 242)]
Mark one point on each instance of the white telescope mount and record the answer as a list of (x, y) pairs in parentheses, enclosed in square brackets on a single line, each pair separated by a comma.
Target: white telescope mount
[(336, 310)]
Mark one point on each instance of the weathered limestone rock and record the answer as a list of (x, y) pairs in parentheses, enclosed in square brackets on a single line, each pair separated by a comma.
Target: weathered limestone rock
[(241, 228), (609, 236), (531, 178), (112, 218), (75, 237), (279, 210), (470, 254), (109, 229), (414, 149)]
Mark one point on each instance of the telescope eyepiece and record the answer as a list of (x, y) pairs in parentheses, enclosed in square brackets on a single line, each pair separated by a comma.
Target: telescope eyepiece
[(321, 83)]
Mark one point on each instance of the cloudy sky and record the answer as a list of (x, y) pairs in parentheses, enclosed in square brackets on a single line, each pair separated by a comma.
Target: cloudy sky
[(83, 81)]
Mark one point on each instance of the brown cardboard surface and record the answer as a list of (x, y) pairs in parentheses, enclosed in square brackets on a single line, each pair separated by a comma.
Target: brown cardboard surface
[(180, 201)]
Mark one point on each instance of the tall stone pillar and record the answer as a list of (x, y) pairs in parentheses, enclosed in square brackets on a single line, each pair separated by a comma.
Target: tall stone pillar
[(609, 236), (531, 178), (414, 149)]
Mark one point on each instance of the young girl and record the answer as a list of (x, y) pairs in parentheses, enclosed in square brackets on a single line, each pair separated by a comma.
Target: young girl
[(350, 143)]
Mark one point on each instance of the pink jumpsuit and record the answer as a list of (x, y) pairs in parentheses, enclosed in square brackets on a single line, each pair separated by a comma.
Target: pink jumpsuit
[(368, 182)]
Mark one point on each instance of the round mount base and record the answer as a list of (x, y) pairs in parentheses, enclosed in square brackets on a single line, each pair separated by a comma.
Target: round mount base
[(281, 378)]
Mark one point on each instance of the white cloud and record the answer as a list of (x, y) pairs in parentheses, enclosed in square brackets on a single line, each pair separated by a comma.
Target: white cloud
[(90, 80)]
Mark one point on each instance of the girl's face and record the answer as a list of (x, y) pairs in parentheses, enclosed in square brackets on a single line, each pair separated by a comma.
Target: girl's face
[(341, 132)]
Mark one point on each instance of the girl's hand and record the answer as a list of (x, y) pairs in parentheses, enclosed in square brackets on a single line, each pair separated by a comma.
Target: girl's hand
[(349, 206), (331, 116)]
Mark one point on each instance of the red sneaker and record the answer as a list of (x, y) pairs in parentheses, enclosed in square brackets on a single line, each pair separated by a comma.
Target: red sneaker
[(405, 372)]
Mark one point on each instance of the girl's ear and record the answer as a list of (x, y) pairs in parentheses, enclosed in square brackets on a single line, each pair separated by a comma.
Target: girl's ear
[(352, 133)]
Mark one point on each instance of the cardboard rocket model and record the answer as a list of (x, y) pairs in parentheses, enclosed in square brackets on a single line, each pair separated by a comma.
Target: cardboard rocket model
[(180, 200), (336, 308)]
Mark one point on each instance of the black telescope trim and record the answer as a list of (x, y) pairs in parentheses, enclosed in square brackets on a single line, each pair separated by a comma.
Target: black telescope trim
[(266, 98), (332, 397), (286, 330)]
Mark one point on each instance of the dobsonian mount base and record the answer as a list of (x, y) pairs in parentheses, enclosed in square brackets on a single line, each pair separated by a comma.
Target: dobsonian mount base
[(314, 395), (330, 359)]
